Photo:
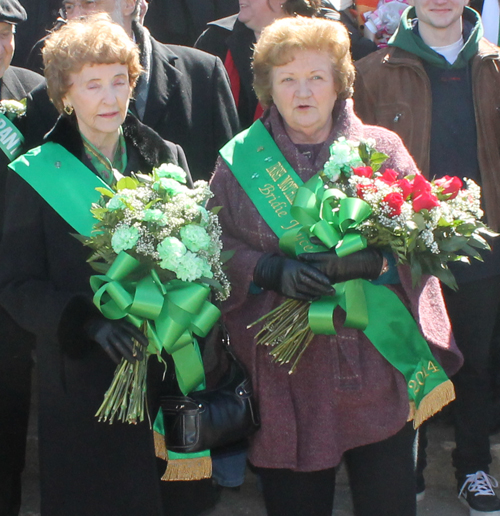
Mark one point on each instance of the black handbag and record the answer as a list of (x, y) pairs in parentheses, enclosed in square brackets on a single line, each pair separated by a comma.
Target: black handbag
[(212, 418)]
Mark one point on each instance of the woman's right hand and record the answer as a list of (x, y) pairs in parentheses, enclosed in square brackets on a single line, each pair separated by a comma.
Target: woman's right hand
[(291, 278), (116, 338)]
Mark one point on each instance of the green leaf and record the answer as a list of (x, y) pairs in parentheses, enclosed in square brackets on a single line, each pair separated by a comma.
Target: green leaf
[(472, 252), (225, 256), (377, 159), (101, 268), (416, 272), (128, 183), (105, 191), (445, 276), (363, 153), (479, 242), (212, 282), (419, 220), (215, 210), (99, 213), (454, 243)]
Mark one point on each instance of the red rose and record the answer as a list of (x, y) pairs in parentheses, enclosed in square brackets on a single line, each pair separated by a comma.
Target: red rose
[(450, 186), (406, 186), (363, 171), (389, 176), (420, 185), (362, 189), (394, 201), (425, 201)]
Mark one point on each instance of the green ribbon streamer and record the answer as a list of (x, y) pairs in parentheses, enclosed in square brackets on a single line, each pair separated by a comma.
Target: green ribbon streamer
[(173, 311), (332, 217), (11, 139), (313, 210)]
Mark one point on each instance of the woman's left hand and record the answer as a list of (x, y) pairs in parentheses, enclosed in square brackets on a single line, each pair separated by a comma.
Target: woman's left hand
[(364, 264)]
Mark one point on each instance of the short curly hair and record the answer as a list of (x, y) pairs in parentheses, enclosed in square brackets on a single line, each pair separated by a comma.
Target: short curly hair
[(283, 38), (91, 40)]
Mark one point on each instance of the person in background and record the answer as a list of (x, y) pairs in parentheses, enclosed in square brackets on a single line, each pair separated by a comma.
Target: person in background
[(86, 467), (437, 86), (233, 38), (16, 344), (344, 400), (41, 15), (184, 94), (180, 22)]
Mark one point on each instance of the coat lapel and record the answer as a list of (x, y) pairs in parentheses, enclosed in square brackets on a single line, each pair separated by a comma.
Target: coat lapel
[(165, 81)]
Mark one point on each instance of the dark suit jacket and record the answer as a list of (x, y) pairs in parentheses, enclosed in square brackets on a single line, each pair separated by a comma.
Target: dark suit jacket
[(189, 103), (181, 21)]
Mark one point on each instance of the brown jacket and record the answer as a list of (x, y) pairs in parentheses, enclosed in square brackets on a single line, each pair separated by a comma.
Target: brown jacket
[(392, 90)]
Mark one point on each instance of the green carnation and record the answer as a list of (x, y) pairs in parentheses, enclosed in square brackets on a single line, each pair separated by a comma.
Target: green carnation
[(116, 203), (195, 238), (155, 215), (171, 186), (192, 267), (172, 171), (171, 251), (125, 237)]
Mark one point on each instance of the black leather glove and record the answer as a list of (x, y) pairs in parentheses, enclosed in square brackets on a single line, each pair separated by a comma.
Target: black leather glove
[(116, 338), (290, 278), (364, 264)]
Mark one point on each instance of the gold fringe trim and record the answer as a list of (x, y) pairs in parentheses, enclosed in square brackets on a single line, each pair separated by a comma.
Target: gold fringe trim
[(160, 447), (440, 396), (188, 469), (181, 469)]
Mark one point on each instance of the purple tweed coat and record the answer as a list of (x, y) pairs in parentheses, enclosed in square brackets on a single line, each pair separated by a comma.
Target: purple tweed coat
[(344, 394)]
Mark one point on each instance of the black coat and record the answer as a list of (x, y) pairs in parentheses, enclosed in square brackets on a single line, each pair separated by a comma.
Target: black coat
[(87, 468), (15, 346), (189, 102), (182, 21)]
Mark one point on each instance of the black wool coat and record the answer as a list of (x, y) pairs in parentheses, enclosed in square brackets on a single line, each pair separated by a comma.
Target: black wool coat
[(87, 468), (189, 103), (15, 343)]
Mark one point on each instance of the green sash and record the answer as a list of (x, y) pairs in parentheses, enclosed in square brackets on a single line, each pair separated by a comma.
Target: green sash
[(295, 211), (172, 312), (11, 139)]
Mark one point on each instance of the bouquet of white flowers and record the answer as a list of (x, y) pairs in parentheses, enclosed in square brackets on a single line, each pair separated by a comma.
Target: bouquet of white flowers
[(160, 228)]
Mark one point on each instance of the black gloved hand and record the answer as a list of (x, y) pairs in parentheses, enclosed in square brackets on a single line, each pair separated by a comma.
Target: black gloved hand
[(116, 338), (290, 278), (364, 264)]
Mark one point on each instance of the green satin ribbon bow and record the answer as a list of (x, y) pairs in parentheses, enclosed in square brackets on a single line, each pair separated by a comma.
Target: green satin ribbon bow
[(172, 312), (332, 217)]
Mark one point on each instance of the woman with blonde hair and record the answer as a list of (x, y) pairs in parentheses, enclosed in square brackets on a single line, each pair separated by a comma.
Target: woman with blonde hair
[(344, 401), (87, 468)]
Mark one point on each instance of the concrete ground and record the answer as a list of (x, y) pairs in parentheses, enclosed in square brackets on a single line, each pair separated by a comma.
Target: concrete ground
[(440, 497)]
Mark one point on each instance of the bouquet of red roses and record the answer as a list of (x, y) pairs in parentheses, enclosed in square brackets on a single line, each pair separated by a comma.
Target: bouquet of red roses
[(425, 224)]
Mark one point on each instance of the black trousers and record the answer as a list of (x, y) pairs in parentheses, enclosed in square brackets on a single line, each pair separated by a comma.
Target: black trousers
[(381, 477), (15, 390), (474, 312)]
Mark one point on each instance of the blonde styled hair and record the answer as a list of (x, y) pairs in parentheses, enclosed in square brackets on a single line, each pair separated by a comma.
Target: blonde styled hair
[(280, 41), (91, 40)]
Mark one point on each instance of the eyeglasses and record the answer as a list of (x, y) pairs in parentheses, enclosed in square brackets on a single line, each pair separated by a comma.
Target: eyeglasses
[(87, 6)]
